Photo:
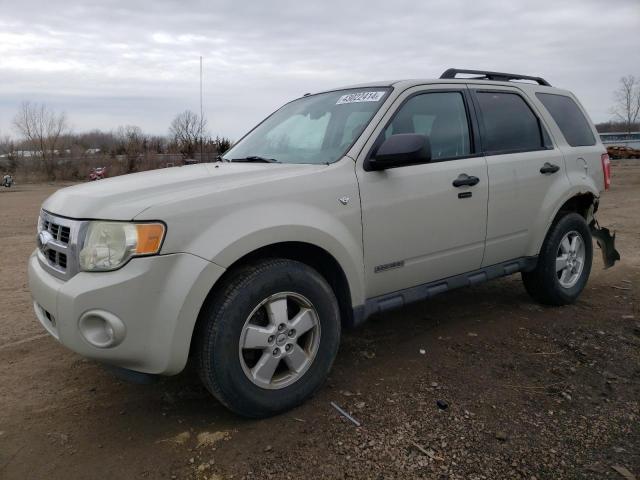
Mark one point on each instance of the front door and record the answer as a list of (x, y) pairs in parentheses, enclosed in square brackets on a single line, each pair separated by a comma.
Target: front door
[(417, 226)]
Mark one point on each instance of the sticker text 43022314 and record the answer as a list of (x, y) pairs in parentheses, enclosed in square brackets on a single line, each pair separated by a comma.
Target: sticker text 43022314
[(360, 97)]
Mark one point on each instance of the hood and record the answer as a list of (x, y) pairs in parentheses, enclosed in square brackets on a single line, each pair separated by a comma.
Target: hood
[(126, 196)]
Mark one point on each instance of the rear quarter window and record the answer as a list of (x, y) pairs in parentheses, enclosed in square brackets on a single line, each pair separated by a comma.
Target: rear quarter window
[(569, 118)]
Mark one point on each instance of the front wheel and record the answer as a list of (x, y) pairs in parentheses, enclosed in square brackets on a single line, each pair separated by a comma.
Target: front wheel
[(564, 262), (268, 337)]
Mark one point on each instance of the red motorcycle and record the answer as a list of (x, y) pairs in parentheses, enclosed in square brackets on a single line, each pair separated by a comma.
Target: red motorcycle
[(97, 173)]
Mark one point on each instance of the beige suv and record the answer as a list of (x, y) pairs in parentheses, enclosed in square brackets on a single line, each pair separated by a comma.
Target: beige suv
[(340, 205)]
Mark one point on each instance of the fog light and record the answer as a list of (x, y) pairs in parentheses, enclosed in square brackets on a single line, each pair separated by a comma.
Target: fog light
[(101, 329)]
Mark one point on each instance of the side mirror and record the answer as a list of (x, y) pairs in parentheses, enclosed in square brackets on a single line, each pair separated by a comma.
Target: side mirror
[(400, 150)]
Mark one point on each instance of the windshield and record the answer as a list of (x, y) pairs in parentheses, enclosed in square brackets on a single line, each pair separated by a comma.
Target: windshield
[(313, 129)]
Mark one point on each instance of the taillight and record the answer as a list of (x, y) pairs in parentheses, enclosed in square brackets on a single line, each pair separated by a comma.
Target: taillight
[(606, 170)]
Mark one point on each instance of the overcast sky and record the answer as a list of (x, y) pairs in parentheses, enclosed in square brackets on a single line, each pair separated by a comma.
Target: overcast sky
[(108, 63)]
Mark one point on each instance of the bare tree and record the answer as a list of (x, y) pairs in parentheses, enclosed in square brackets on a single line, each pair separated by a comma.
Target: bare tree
[(42, 128), (7, 147), (187, 131), (627, 97), (132, 143), (220, 144), (157, 144), (6, 144)]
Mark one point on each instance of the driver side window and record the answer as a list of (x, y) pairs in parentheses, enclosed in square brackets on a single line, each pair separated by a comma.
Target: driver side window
[(442, 117)]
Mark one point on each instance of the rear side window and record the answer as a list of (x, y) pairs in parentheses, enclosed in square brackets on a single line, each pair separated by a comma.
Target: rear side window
[(572, 123), (509, 124)]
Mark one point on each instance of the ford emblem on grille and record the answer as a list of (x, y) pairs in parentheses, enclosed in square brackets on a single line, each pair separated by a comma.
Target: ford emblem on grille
[(44, 238)]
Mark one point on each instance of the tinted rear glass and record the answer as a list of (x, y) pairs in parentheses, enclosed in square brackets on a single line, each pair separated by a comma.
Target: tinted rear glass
[(572, 123), (509, 124)]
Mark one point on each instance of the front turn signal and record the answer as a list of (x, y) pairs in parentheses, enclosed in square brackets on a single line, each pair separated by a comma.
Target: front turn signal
[(150, 237)]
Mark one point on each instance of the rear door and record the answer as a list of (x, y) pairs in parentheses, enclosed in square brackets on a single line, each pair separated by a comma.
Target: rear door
[(417, 226), (526, 171)]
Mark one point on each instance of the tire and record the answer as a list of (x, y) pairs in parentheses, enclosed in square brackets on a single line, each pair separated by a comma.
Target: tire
[(245, 313), (545, 283)]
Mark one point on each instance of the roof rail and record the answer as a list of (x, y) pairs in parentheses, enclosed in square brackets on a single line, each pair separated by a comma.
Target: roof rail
[(497, 76)]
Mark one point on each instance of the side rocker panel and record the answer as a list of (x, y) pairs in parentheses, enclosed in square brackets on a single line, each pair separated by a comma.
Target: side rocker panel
[(401, 298)]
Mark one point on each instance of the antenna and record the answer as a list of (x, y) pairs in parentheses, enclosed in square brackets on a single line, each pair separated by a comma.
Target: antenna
[(201, 114)]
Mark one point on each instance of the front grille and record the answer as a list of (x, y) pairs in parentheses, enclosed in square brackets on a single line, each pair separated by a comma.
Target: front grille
[(57, 258), (58, 247), (57, 231)]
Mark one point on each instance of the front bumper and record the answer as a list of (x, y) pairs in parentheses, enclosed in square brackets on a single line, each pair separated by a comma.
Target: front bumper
[(156, 298)]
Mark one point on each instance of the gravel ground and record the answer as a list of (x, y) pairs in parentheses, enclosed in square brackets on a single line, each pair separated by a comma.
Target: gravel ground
[(479, 383)]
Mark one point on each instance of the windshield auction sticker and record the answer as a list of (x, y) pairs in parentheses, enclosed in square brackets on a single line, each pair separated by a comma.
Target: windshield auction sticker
[(360, 97)]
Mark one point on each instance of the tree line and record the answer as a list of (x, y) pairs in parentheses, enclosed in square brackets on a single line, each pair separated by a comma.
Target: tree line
[(46, 142)]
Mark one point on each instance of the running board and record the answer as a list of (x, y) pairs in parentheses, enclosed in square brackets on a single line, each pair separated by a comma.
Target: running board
[(404, 297)]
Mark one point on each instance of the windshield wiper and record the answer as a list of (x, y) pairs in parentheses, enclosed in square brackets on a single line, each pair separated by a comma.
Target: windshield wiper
[(255, 158)]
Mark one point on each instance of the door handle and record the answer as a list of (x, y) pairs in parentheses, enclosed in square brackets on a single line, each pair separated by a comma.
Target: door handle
[(549, 168), (464, 179)]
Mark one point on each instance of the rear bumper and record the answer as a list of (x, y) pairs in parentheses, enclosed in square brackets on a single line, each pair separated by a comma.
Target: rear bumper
[(607, 243), (157, 300)]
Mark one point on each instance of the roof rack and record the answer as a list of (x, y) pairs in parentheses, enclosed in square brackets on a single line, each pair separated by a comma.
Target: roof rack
[(496, 76)]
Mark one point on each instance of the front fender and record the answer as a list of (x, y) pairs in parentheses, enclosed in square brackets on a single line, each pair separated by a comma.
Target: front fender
[(314, 204), (245, 230)]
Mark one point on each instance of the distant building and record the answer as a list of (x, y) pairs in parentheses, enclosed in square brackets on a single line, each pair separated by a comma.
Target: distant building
[(33, 153), (621, 139), (26, 153)]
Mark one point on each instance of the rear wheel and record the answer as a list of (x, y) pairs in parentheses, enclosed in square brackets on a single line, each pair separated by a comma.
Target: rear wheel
[(268, 337), (564, 263)]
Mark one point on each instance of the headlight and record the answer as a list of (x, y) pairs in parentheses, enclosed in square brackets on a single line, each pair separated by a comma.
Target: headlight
[(109, 245)]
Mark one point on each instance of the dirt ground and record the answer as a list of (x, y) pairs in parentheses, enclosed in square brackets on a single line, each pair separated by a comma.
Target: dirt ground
[(531, 391)]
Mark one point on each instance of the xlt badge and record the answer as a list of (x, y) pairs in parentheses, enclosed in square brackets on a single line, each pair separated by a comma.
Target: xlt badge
[(388, 266)]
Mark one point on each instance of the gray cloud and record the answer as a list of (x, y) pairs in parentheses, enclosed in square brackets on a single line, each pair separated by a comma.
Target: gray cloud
[(136, 62)]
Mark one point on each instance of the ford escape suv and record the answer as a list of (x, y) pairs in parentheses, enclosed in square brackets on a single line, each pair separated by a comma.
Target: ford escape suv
[(340, 205)]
